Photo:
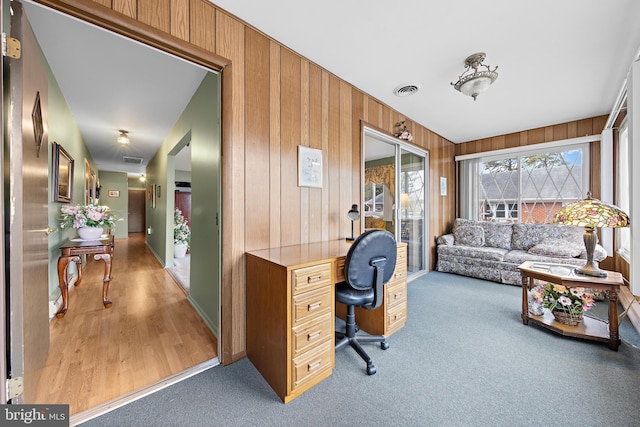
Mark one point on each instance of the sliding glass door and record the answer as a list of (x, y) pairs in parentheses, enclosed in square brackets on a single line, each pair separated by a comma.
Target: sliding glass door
[(394, 193)]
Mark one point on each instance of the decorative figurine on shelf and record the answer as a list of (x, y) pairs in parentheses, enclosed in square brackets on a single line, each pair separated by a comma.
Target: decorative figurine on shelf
[(402, 132)]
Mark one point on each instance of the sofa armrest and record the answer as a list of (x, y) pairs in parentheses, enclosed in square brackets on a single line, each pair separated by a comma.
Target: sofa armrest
[(445, 239)]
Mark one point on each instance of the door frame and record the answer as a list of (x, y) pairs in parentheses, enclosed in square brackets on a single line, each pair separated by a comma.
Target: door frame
[(373, 132), (106, 18)]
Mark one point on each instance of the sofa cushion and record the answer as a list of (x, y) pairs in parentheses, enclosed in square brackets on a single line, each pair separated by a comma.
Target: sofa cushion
[(484, 253), (496, 234), (556, 248), (469, 235), (525, 236)]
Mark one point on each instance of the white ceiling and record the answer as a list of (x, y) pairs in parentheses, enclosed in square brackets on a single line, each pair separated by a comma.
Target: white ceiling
[(113, 83), (558, 61)]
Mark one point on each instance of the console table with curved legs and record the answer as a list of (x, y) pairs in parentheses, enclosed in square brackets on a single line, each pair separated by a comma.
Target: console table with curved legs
[(71, 252)]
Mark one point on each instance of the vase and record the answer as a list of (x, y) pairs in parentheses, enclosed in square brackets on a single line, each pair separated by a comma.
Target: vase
[(90, 233), (567, 318), (535, 308), (179, 250)]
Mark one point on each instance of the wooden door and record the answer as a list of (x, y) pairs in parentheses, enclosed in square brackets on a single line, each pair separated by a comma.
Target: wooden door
[(27, 151), (137, 207), (183, 202)]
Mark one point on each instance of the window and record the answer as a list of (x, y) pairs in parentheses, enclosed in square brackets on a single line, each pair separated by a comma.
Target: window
[(624, 234), (374, 198), (528, 186)]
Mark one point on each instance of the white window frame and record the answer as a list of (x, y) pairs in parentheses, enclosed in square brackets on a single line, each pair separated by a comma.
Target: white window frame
[(471, 181), (623, 186)]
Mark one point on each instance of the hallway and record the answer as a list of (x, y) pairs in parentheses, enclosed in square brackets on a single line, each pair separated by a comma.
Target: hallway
[(150, 332)]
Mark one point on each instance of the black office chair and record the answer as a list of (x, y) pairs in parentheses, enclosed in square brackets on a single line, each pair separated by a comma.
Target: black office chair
[(368, 266)]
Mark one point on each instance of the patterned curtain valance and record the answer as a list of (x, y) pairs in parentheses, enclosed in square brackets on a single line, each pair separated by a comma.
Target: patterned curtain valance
[(384, 174)]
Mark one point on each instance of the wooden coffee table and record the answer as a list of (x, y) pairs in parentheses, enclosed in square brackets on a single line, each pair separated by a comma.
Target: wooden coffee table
[(589, 328)]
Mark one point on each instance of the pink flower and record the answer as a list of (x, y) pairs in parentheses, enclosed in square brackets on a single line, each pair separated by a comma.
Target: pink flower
[(566, 301)]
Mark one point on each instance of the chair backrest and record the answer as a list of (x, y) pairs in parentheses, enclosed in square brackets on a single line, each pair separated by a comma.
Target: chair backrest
[(370, 262)]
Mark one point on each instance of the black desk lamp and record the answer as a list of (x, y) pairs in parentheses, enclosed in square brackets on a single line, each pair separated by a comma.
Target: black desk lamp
[(353, 215)]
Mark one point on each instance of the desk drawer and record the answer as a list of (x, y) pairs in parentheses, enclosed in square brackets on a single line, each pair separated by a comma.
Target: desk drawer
[(396, 318), (311, 334), (309, 305), (396, 293), (305, 279), (311, 364)]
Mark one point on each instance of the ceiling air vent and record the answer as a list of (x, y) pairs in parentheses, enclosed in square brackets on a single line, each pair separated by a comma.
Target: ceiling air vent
[(406, 90), (133, 160)]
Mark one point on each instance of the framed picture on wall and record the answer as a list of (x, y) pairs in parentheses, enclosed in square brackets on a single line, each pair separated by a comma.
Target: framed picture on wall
[(309, 167), (62, 174), (114, 193), (151, 195)]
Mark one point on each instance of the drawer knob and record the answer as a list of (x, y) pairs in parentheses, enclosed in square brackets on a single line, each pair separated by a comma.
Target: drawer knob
[(313, 336), (314, 365), (314, 306), (312, 279)]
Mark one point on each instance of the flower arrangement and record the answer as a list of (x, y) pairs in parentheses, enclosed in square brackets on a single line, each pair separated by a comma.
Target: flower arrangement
[(181, 231), (573, 301), (402, 132), (91, 215)]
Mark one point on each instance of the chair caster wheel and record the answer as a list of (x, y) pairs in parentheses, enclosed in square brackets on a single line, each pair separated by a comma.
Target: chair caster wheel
[(384, 345), (371, 369), (357, 328)]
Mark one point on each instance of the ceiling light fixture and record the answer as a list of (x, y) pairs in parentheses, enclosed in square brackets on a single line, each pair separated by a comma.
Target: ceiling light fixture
[(123, 138), (479, 81), (143, 178)]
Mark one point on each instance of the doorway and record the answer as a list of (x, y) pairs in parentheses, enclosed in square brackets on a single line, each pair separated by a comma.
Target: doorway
[(132, 275), (137, 208), (395, 193)]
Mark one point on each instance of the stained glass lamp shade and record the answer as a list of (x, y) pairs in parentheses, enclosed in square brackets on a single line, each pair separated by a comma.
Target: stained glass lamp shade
[(591, 213)]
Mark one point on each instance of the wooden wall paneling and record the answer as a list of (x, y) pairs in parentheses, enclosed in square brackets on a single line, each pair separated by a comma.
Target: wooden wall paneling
[(155, 13), (230, 44), (274, 145), (374, 112), (257, 140), (335, 215), (585, 127), (179, 19), (304, 140), (106, 3), (202, 24), (126, 7), (498, 143), (326, 146), (290, 131), (560, 132), (315, 141), (357, 106), (346, 134)]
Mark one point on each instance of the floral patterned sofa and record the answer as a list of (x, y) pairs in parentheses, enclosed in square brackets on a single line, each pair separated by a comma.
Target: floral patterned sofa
[(494, 250)]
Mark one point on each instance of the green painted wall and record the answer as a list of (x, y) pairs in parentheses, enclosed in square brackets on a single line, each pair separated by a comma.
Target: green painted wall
[(64, 130), (134, 182), (116, 181), (199, 124)]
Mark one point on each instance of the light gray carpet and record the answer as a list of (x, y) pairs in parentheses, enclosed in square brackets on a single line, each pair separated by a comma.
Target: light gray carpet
[(181, 271), (464, 359)]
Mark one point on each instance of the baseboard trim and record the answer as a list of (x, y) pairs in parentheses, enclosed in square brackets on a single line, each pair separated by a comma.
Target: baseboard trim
[(139, 394), (632, 306)]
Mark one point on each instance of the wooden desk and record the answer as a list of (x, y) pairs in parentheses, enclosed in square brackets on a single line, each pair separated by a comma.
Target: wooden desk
[(291, 310), (71, 252), (589, 328)]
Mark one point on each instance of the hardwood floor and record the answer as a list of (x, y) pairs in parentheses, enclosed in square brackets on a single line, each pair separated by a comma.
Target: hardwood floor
[(150, 332)]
